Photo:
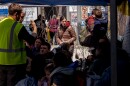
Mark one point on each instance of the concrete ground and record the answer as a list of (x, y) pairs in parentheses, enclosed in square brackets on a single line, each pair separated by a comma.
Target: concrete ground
[(79, 52)]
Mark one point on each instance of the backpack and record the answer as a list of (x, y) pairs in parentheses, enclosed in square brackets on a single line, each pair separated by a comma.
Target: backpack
[(53, 24), (90, 23)]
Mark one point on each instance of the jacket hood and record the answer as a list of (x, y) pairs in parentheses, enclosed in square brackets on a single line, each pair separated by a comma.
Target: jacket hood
[(63, 70)]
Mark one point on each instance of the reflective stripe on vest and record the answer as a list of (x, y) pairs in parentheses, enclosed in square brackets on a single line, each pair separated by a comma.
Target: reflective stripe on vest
[(12, 50), (11, 42)]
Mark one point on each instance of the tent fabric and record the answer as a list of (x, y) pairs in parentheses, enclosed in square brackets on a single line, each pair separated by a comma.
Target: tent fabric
[(59, 2), (124, 23)]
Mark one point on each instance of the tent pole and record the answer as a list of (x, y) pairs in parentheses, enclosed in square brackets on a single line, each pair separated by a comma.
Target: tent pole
[(113, 26), (79, 22)]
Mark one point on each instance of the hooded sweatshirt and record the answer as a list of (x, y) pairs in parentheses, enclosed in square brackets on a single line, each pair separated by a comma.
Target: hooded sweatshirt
[(62, 76)]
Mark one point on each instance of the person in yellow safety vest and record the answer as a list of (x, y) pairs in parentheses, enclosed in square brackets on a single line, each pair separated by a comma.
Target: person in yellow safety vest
[(12, 47)]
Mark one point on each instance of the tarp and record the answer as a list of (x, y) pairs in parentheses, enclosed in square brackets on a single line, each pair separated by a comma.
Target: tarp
[(59, 2), (4, 12), (124, 23)]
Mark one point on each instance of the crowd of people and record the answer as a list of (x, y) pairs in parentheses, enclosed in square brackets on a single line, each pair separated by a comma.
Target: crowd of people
[(26, 59)]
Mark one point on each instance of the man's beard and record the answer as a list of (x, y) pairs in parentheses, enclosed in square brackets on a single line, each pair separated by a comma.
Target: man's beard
[(17, 18)]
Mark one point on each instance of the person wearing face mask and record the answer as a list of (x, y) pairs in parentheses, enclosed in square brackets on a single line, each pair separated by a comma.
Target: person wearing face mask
[(12, 47), (66, 34)]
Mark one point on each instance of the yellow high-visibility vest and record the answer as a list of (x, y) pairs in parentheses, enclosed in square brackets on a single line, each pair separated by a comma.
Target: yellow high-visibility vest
[(12, 50)]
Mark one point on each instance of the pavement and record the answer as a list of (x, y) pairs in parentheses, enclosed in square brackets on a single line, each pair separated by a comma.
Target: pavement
[(79, 51)]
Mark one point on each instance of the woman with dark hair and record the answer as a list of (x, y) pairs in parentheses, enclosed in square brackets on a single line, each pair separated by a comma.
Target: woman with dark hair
[(66, 34)]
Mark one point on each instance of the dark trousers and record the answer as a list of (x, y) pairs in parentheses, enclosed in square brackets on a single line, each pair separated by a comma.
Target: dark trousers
[(52, 35), (11, 74)]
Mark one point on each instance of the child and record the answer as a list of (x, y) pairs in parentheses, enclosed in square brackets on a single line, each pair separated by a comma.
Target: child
[(45, 81)]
